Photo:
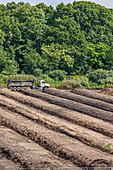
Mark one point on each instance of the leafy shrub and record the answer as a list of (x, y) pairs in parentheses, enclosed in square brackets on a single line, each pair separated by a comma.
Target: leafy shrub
[(37, 72), (4, 78), (76, 77), (68, 84), (84, 81), (22, 72), (11, 68), (50, 81), (21, 77), (101, 76), (57, 75), (44, 76)]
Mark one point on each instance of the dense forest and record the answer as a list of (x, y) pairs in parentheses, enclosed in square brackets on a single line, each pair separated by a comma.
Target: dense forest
[(74, 38)]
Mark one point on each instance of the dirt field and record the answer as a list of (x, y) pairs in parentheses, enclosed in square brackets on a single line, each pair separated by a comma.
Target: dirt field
[(55, 129)]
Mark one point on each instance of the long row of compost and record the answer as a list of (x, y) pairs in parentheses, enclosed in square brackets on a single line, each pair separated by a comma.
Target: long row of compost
[(59, 144), (26, 153), (85, 135), (72, 105), (75, 117), (79, 98), (6, 163), (90, 94)]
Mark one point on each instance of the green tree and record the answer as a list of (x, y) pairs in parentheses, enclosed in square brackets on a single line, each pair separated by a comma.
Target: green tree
[(57, 57), (96, 55), (28, 58), (109, 59), (75, 38), (58, 75), (3, 57), (37, 72), (11, 68)]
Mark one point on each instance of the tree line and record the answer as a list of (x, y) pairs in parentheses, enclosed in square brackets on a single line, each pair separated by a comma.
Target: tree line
[(74, 38)]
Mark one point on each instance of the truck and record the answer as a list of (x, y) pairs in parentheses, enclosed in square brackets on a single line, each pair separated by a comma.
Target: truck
[(42, 85), (16, 85)]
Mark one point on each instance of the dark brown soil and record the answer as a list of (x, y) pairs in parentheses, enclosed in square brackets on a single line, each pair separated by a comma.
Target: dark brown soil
[(75, 117), (72, 105), (107, 91), (35, 133), (91, 94), (55, 142), (8, 164), (80, 99), (85, 135), (26, 152)]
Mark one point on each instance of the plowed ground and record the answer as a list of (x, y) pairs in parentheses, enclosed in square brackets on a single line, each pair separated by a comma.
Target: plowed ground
[(54, 130)]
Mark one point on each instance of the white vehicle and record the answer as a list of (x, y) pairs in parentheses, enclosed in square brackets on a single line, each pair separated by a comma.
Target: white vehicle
[(43, 85)]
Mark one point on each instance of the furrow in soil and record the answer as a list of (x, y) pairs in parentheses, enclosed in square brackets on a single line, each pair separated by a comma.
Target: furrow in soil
[(59, 144), (72, 105), (83, 134), (90, 94), (75, 117), (78, 98), (27, 153)]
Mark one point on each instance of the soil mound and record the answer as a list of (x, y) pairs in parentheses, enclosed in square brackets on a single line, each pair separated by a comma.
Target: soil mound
[(107, 91)]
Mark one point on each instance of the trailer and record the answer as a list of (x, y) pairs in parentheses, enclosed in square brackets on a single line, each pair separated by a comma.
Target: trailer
[(16, 85)]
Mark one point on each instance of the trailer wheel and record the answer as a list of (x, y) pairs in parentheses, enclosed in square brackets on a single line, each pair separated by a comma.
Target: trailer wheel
[(14, 89), (18, 88), (11, 88)]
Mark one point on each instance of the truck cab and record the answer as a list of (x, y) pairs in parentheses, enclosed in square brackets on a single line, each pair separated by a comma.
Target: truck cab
[(42, 84)]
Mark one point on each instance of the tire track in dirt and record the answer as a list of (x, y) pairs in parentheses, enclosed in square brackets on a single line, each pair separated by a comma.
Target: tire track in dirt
[(72, 105), (59, 144), (27, 153), (78, 98), (75, 117), (85, 135)]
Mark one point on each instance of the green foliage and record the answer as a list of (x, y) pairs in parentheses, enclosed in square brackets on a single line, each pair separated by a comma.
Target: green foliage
[(4, 78), (56, 57), (76, 38), (69, 84), (58, 75), (50, 81), (101, 76), (44, 76), (96, 55), (11, 68), (37, 72), (108, 147), (84, 81)]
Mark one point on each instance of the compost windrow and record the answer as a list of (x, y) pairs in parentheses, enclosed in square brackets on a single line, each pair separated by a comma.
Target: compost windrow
[(79, 98), (85, 135), (93, 95), (6, 163), (59, 144), (75, 117), (28, 153), (72, 105)]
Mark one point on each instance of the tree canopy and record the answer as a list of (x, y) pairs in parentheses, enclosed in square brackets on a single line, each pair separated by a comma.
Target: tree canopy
[(75, 38)]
